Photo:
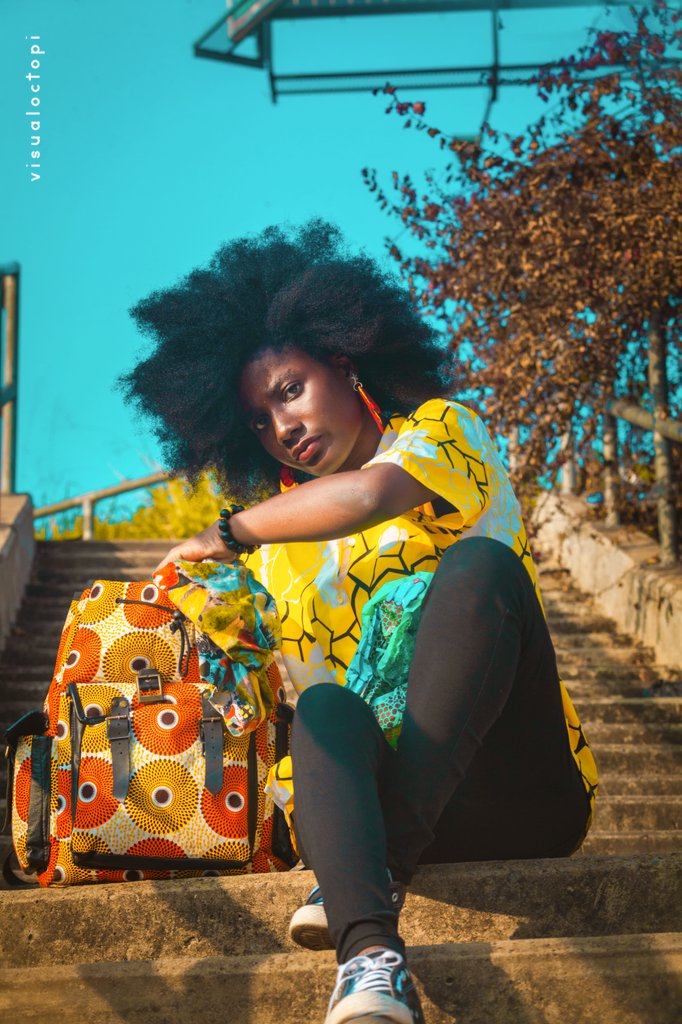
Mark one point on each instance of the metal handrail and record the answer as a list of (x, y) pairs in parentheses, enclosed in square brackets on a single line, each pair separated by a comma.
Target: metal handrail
[(666, 430), (638, 417), (87, 502), (9, 302)]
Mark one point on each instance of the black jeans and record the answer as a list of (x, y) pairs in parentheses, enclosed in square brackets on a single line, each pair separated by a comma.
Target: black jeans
[(483, 769)]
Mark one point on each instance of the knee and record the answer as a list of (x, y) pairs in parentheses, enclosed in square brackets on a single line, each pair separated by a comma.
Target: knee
[(327, 707), (482, 566), (480, 554), (320, 699)]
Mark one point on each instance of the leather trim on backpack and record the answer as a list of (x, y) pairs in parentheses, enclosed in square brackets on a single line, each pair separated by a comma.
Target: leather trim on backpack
[(76, 728), (128, 862), (38, 834), (252, 790), (31, 724)]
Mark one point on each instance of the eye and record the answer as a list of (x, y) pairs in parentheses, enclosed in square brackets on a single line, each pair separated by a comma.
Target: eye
[(260, 422), (292, 391)]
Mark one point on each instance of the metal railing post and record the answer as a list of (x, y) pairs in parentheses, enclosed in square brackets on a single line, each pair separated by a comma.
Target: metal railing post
[(658, 385), (9, 279), (513, 451), (88, 509), (568, 474), (610, 456)]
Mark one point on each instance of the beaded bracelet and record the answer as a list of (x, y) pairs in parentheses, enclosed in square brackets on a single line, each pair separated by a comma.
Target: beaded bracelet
[(226, 531)]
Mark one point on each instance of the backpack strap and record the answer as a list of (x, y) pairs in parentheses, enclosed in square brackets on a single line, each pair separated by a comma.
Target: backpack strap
[(31, 724), (212, 731), (118, 734)]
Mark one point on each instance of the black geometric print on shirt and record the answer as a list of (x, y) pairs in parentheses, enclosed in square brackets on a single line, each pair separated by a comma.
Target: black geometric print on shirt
[(328, 645), (292, 632), (581, 741), (391, 565), (476, 468), (325, 637)]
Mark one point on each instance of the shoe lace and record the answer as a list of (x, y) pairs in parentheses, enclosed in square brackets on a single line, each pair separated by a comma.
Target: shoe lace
[(370, 973)]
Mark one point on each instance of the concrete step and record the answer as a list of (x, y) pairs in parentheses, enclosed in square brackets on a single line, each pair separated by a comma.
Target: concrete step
[(632, 732), (597, 653), (621, 844), (623, 709), (60, 559), (594, 639), (584, 687), (482, 902), (45, 610), (645, 759), (97, 548), (15, 679), (34, 621), (598, 843), (578, 622), (626, 813), (631, 979), (640, 785), (580, 668), (62, 583), (63, 590)]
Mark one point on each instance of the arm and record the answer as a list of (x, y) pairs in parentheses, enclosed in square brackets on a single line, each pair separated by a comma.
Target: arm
[(323, 509)]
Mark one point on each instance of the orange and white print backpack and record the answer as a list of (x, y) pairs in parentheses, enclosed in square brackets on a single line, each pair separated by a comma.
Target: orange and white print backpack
[(164, 716)]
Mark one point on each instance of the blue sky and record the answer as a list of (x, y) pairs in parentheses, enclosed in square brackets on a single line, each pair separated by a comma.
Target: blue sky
[(150, 158)]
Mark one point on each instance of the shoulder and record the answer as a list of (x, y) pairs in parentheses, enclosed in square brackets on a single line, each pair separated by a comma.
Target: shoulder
[(440, 410), (438, 420), (439, 431)]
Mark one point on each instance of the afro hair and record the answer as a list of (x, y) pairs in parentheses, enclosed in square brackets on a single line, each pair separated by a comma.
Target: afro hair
[(296, 288)]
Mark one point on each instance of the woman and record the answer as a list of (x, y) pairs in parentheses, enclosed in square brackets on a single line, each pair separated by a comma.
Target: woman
[(263, 368)]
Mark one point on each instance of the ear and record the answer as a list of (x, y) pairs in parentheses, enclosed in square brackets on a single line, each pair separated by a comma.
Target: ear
[(343, 363)]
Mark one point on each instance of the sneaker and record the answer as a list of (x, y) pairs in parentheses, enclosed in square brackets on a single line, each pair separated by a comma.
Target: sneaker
[(375, 988), (308, 926)]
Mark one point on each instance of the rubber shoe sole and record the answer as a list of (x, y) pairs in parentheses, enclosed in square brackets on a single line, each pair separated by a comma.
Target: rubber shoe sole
[(370, 1008), (308, 927)]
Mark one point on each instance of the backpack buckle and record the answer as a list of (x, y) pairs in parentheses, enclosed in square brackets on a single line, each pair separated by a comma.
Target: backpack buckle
[(149, 686)]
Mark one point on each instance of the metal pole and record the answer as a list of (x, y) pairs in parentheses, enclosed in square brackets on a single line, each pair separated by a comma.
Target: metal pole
[(10, 302), (610, 455), (513, 451), (88, 506), (568, 468), (658, 385)]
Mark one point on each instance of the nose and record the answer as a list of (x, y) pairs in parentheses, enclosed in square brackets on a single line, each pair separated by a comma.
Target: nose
[(287, 428)]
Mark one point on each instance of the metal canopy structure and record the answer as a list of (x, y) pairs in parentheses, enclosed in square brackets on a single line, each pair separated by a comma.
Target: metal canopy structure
[(251, 22)]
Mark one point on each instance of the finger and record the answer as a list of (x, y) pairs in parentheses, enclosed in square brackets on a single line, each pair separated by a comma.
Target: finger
[(160, 566), (171, 556)]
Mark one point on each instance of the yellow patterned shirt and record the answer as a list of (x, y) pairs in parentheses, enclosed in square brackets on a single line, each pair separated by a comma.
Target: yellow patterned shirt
[(321, 587)]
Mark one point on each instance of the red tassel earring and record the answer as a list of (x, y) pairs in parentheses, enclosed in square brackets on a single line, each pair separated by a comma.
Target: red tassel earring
[(287, 479), (374, 409)]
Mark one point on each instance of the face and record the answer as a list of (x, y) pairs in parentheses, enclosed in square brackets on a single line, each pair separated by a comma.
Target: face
[(305, 412)]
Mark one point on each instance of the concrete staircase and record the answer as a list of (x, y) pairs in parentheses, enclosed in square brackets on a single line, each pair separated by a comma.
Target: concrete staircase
[(594, 938)]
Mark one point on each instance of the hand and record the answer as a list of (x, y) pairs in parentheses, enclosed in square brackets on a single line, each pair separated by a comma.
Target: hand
[(207, 544)]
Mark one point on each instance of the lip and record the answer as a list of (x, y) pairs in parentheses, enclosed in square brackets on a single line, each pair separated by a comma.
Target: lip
[(305, 451)]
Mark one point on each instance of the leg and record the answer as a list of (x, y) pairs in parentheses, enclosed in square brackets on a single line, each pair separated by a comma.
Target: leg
[(484, 746), (340, 757)]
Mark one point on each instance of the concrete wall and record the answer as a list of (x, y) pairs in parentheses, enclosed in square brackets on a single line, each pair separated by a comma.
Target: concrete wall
[(618, 569), (16, 556)]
